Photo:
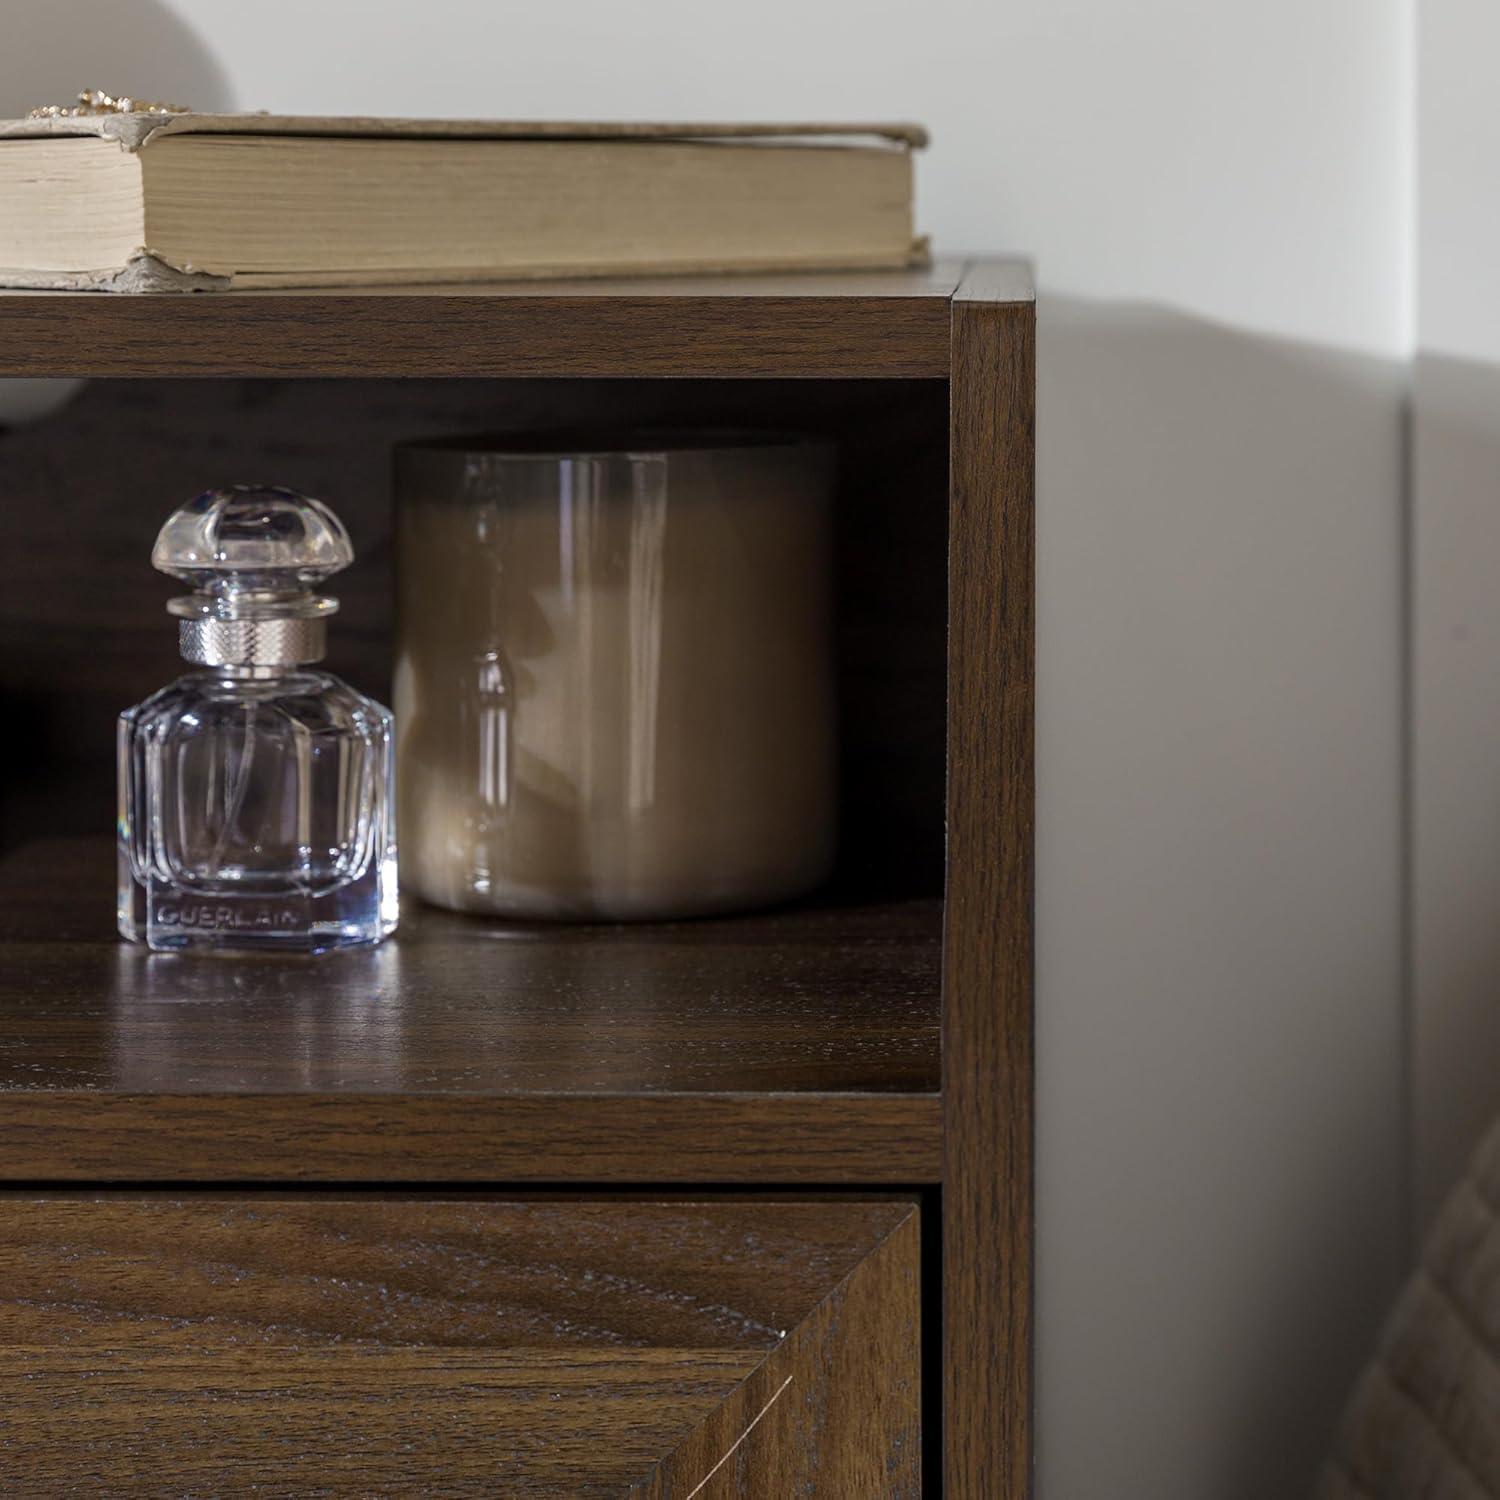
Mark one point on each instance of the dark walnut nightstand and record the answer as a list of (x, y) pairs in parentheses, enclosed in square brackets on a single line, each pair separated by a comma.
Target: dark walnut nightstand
[(733, 1207)]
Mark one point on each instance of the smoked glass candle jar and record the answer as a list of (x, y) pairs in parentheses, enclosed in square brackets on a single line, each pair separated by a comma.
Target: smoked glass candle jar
[(614, 685)]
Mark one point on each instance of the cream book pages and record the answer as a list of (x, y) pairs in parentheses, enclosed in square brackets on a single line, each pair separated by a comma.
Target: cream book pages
[(187, 202)]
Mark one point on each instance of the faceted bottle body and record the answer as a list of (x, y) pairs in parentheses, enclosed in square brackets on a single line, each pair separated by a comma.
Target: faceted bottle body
[(256, 812)]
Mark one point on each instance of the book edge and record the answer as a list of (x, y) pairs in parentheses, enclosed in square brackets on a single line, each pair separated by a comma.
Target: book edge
[(142, 273), (146, 273), (135, 131)]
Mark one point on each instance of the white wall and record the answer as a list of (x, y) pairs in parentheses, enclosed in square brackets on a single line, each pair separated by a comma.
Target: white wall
[(1214, 195), (1456, 595)]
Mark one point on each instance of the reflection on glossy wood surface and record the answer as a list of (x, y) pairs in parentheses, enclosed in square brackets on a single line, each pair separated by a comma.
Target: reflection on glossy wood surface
[(804, 1040), (822, 998), (368, 1346)]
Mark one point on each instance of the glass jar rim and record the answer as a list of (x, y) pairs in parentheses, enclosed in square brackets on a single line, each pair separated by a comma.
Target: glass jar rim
[(551, 445)]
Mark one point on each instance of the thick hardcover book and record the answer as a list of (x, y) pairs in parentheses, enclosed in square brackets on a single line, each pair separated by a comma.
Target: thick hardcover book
[(196, 202)]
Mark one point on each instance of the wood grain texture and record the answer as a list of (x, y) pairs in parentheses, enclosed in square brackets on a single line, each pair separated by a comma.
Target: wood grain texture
[(363, 1346), (987, 965), (324, 1422), (836, 1409), (827, 326), (76, 1116), (793, 1046), (837, 1139)]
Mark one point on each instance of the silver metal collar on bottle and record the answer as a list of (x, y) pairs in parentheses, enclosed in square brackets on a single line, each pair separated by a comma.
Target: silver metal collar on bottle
[(252, 643), (250, 631)]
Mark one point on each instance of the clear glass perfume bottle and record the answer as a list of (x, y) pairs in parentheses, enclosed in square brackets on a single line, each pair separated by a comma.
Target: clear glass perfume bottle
[(256, 795)]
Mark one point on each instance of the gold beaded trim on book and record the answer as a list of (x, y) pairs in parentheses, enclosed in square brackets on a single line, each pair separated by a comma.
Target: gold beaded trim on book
[(97, 102)]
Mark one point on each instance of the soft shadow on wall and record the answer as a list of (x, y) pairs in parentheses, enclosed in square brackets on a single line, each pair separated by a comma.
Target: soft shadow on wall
[(1218, 898), (1456, 766), (57, 48)]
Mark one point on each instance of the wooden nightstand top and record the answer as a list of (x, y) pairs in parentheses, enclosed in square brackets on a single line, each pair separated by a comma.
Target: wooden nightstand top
[(824, 325)]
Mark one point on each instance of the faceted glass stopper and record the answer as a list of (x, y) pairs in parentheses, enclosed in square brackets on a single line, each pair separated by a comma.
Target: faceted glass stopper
[(252, 536)]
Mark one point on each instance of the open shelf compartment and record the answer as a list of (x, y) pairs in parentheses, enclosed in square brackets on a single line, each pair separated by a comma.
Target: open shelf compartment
[(792, 1045)]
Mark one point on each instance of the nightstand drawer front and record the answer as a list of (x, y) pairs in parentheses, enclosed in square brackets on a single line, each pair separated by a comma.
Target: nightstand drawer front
[(389, 1346)]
